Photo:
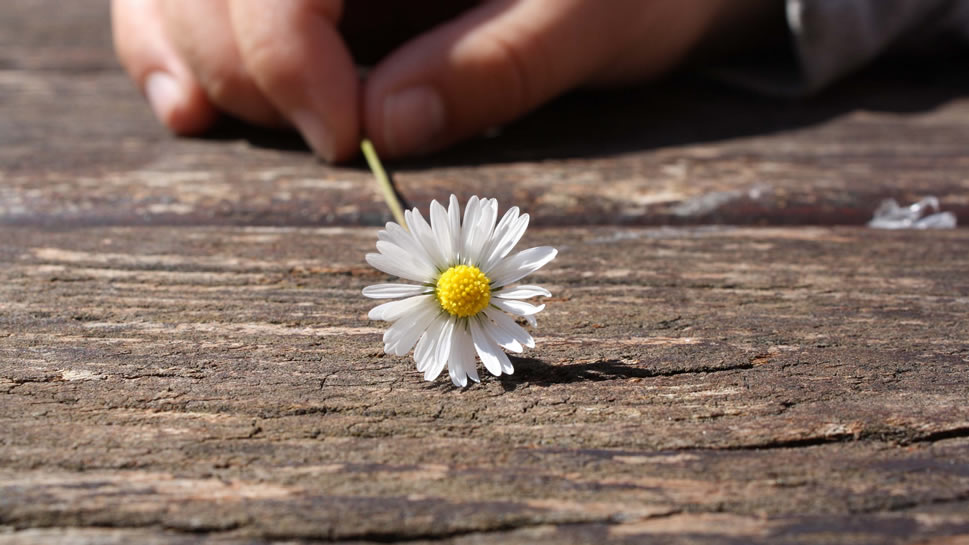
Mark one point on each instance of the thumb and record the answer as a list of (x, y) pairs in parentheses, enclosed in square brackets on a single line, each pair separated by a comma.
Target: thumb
[(489, 66)]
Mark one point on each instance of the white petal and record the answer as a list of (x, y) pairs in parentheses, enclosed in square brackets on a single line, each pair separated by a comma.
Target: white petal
[(503, 338), (454, 227), (388, 265), (394, 291), (470, 365), (406, 259), (488, 350), (482, 230), (442, 351), (403, 238), (531, 320), (422, 233), (461, 363), (498, 235), (441, 226), (521, 265), (472, 211), (401, 336), (506, 241), (421, 350), (507, 325), (458, 377), (523, 292), (491, 333), (517, 308), (427, 346), (394, 310)]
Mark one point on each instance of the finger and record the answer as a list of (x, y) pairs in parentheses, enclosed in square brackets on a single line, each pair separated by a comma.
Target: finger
[(146, 53), (201, 33), (492, 64), (299, 62)]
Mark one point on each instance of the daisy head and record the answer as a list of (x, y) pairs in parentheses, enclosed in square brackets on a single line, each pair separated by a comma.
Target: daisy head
[(460, 299)]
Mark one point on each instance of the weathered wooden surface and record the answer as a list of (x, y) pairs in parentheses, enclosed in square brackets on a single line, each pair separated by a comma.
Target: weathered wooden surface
[(185, 356), (774, 385)]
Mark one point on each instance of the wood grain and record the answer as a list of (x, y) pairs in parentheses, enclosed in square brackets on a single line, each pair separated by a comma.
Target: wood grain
[(185, 355), (766, 385)]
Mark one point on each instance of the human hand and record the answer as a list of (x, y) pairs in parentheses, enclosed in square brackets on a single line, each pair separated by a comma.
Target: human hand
[(285, 63)]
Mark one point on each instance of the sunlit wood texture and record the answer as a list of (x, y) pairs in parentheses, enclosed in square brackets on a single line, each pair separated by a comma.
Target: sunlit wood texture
[(185, 355)]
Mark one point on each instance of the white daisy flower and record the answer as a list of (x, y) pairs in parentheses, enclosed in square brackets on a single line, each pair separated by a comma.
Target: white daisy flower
[(458, 306)]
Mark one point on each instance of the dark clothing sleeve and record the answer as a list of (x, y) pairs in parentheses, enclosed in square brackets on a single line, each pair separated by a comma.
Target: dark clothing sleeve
[(832, 38)]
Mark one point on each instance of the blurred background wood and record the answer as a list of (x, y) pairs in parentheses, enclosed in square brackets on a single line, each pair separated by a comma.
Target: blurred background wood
[(78, 146)]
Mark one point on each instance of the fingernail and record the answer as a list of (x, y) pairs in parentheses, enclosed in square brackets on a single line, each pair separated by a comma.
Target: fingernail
[(163, 94), (315, 133), (413, 118)]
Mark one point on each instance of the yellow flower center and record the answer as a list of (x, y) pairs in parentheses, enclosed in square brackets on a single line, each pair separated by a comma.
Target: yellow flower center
[(463, 290)]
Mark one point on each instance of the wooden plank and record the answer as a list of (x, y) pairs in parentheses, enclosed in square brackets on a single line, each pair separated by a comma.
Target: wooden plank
[(691, 385), (78, 147), (185, 356)]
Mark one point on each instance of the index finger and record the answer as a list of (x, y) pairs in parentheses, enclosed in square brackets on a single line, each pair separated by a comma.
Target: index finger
[(293, 52)]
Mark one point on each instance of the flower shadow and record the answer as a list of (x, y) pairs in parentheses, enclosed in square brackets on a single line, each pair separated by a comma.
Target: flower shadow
[(535, 372)]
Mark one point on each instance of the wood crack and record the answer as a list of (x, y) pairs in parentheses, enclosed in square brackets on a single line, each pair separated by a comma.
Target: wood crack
[(954, 433)]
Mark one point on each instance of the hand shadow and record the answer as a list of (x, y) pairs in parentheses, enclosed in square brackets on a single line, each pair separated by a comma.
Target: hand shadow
[(681, 110)]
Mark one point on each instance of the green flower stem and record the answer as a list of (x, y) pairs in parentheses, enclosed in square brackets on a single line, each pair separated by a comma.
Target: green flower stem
[(390, 196)]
